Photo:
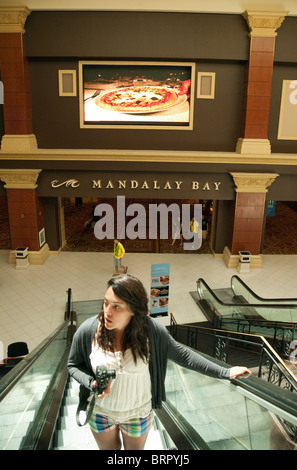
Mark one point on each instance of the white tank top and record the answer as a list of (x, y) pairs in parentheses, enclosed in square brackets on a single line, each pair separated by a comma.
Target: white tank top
[(130, 392)]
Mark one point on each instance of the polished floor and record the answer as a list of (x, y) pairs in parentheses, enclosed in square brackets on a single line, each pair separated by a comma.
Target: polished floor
[(32, 301)]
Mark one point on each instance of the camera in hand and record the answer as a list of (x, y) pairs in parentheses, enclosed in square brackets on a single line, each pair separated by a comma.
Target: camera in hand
[(102, 377)]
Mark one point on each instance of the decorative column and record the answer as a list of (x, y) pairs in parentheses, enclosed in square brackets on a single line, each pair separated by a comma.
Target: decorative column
[(26, 218), (14, 70), (255, 113), (249, 211)]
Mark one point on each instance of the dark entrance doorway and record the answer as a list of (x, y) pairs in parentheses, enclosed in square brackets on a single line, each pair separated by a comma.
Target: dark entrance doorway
[(5, 243), (281, 230), (79, 227)]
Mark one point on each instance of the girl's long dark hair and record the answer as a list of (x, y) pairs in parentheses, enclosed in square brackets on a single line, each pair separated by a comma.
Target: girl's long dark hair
[(131, 291)]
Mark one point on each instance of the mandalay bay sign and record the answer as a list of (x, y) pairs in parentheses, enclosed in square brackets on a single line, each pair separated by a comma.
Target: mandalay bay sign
[(139, 222), (134, 184)]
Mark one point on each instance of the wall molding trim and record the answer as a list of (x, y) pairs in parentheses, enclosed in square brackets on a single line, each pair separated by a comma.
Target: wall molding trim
[(157, 156)]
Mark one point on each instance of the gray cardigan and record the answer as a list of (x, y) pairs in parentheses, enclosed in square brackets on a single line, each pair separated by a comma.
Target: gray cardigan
[(162, 347)]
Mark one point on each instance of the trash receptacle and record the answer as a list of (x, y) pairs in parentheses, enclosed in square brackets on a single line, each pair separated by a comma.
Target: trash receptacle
[(21, 257), (244, 261)]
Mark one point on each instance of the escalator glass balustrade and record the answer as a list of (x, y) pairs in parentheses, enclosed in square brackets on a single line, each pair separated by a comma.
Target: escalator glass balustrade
[(229, 417)]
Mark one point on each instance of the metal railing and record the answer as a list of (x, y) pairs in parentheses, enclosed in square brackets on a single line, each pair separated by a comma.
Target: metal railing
[(277, 322), (268, 365), (239, 287), (226, 345)]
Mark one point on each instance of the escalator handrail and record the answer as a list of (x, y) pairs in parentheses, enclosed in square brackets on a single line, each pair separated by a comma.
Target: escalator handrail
[(284, 400), (265, 346), (280, 402), (271, 351), (248, 305), (234, 304), (15, 374), (261, 299)]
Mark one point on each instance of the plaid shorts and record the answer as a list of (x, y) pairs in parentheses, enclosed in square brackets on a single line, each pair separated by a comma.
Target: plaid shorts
[(117, 262), (134, 427)]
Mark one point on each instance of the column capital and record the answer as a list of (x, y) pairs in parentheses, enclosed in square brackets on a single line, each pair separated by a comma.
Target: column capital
[(13, 19), (253, 182), (264, 23), (19, 179)]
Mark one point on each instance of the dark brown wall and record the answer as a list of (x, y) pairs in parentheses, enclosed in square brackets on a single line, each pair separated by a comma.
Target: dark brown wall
[(51, 219), (216, 122), (58, 40), (286, 40), (224, 215), (137, 35), (216, 43)]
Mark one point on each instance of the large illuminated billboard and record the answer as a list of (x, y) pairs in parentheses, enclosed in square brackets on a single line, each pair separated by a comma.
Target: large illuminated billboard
[(136, 94)]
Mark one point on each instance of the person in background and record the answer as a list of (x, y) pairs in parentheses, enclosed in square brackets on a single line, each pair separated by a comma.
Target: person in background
[(118, 251), (194, 225), (204, 226)]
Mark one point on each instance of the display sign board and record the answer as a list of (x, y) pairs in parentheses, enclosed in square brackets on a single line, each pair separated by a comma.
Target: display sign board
[(136, 94), (159, 289), (271, 208)]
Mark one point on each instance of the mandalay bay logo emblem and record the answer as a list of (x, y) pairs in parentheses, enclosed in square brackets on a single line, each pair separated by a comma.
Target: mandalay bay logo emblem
[(134, 222)]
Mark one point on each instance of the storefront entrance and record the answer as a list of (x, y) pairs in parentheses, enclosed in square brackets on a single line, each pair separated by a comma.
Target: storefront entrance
[(80, 221), (280, 235)]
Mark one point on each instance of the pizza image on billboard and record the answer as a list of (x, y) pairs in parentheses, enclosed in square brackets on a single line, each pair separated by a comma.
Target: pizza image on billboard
[(138, 94)]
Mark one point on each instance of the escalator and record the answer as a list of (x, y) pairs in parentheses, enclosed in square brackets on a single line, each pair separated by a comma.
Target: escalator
[(240, 288), (68, 436), (238, 309), (237, 415), (239, 300), (38, 400)]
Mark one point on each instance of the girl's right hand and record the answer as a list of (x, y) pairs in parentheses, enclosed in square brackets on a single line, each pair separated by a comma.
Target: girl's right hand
[(105, 392)]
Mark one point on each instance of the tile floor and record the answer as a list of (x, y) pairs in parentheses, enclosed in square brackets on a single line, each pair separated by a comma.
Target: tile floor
[(32, 301)]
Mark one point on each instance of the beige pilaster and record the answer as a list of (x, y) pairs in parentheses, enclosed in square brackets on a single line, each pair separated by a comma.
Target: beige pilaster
[(18, 137), (263, 26), (25, 211), (248, 217)]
